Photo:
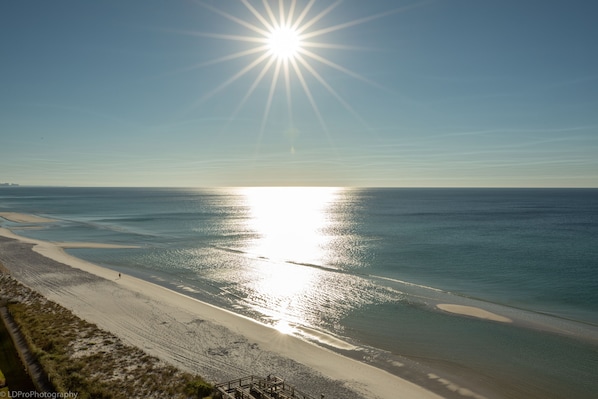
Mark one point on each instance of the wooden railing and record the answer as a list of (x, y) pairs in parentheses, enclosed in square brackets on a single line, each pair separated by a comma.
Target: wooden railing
[(254, 387)]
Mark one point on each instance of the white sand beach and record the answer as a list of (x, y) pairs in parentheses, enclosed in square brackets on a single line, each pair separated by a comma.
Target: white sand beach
[(187, 333), (473, 312)]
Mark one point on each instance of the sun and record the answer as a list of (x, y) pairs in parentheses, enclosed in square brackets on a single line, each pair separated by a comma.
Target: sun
[(284, 49), (284, 43)]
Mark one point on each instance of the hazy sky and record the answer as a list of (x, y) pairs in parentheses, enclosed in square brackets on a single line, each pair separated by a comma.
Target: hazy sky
[(382, 93)]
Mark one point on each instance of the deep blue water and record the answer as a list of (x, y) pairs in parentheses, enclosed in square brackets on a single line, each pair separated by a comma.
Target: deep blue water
[(367, 266)]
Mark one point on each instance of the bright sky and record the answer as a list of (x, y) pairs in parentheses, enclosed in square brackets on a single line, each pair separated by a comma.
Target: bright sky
[(347, 93)]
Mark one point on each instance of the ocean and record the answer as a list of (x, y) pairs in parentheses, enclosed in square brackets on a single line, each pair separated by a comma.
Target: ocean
[(365, 268)]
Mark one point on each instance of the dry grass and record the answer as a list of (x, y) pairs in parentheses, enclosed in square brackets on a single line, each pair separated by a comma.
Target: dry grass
[(79, 357)]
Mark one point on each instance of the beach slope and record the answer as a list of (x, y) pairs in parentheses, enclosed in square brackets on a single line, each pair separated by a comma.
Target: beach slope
[(190, 334)]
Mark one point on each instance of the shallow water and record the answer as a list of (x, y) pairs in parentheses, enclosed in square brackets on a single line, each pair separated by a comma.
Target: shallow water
[(367, 266)]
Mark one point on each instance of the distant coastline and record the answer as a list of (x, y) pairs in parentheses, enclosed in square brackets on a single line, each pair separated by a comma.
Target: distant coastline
[(9, 185)]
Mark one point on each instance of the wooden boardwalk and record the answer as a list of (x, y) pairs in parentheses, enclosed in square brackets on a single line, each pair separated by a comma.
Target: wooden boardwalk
[(254, 387)]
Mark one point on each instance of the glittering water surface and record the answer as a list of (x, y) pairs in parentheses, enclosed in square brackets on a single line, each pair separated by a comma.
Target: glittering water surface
[(366, 267)]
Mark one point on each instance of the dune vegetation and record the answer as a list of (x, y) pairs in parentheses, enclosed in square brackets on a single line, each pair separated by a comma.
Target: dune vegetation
[(77, 356)]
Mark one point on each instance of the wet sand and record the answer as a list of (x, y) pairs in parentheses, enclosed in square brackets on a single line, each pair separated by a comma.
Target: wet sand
[(187, 333)]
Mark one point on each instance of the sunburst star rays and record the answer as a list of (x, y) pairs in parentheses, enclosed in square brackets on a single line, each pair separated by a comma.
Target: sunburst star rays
[(278, 34)]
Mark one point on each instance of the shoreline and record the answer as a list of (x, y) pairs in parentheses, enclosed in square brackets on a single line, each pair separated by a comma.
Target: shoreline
[(170, 332), (129, 306), (390, 313)]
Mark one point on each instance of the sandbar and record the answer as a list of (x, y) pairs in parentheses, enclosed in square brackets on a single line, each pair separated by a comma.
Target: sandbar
[(24, 218), (191, 334), (473, 312), (73, 245), (65, 245)]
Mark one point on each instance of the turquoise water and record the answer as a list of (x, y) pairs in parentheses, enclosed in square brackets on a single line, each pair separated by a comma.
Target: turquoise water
[(368, 266)]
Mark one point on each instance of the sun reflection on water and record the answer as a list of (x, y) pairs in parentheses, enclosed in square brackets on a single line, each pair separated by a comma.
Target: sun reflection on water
[(291, 244), (290, 222)]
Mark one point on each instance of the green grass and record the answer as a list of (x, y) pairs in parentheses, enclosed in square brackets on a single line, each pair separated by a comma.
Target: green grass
[(79, 357)]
